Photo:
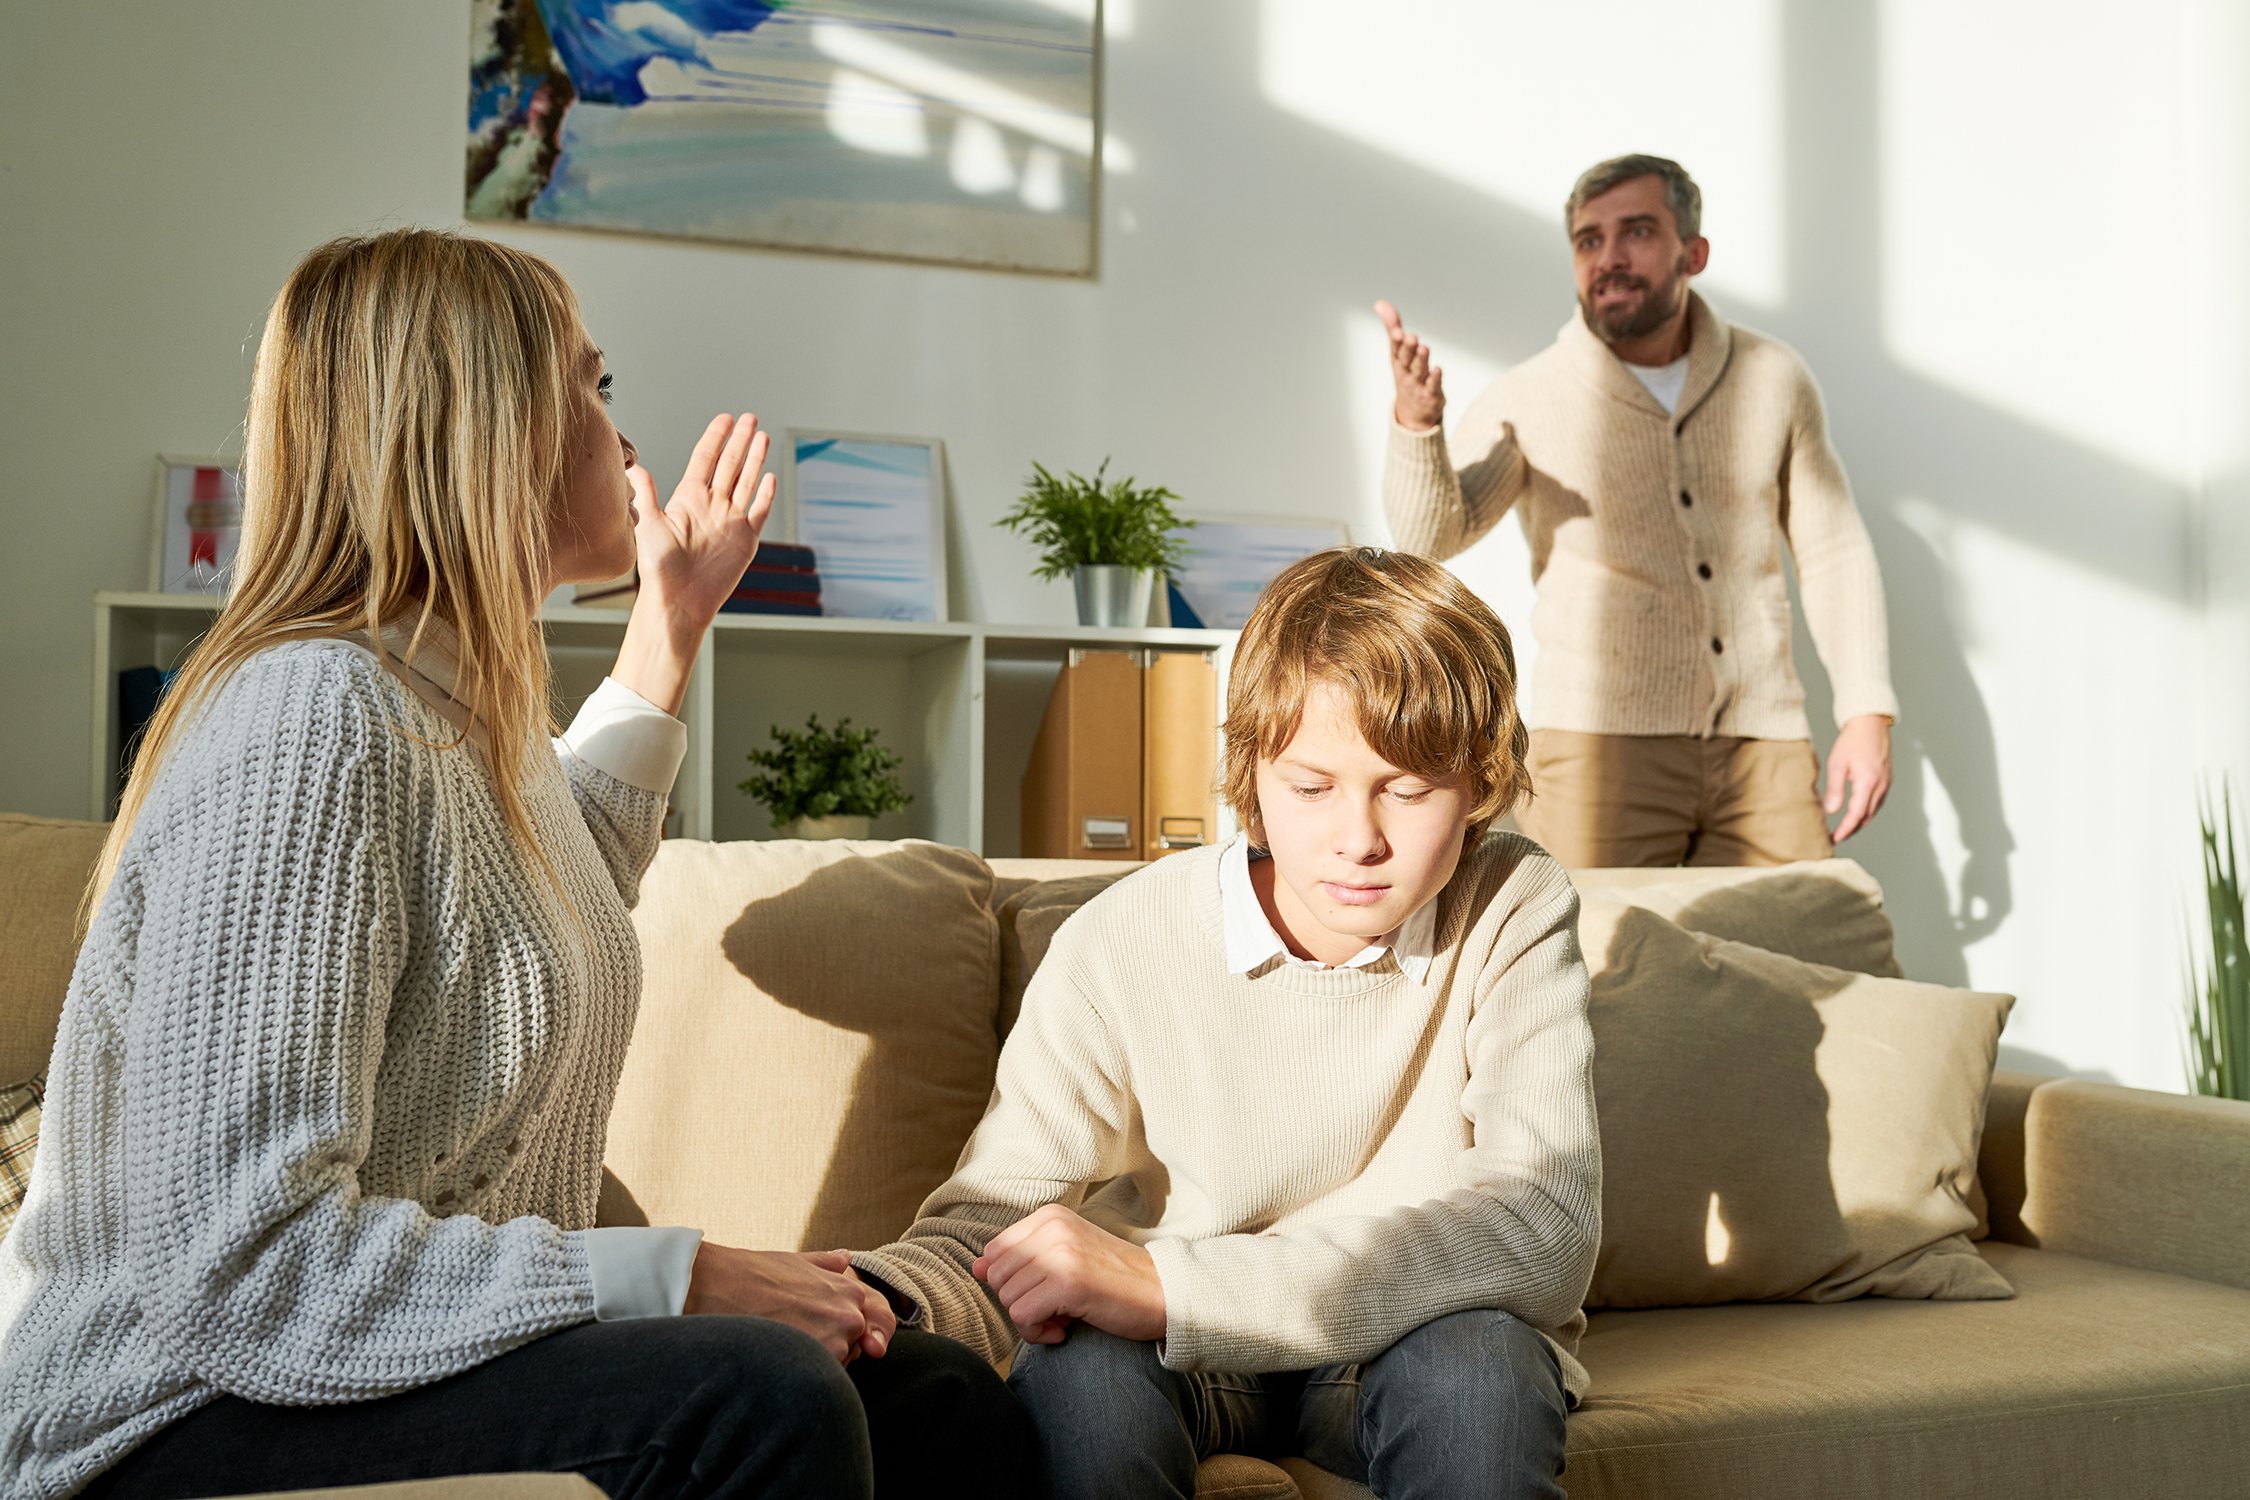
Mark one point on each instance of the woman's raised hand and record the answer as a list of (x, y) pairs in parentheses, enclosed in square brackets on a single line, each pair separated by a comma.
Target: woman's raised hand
[(692, 553), (694, 548)]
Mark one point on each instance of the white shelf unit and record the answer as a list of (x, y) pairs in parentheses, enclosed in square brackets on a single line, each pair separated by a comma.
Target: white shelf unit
[(960, 701)]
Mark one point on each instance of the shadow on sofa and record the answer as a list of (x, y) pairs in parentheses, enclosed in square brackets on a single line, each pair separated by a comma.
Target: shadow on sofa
[(777, 944), (1691, 1086)]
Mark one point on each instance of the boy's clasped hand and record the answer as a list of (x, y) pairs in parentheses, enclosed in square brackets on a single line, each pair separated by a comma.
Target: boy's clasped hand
[(1052, 1268)]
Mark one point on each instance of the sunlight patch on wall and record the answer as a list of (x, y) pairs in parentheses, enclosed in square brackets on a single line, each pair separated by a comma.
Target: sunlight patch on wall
[(1498, 568), (2035, 211), (1515, 98)]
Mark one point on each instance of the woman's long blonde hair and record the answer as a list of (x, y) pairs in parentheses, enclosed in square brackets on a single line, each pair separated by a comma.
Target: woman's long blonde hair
[(408, 423)]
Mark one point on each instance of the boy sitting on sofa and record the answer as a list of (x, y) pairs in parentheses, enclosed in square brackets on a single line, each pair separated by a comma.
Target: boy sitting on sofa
[(1293, 1148)]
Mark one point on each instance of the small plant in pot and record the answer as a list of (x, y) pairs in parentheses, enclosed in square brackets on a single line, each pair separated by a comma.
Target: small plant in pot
[(826, 783), (1114, 540)]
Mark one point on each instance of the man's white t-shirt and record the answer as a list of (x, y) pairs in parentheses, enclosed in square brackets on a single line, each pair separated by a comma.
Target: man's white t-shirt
[(1664, 382)]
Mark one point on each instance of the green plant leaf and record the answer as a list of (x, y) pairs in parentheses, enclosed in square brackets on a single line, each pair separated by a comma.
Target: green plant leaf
[(1079, 522), (2218, 998), (817, 773)]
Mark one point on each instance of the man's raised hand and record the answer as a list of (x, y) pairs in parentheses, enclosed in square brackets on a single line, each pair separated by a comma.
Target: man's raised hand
[(1421, 385), (1052, 1268)]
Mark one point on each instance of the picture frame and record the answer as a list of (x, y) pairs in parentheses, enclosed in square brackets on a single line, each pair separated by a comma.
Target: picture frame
[(1231, 559), (195, 524), (871, 506), (968, 134)]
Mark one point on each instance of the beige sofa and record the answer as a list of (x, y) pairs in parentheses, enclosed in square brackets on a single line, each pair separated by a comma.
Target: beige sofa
[(817, 1037)]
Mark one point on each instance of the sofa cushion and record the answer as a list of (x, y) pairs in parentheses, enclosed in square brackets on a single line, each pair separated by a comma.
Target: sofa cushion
[(2097, 1380), (816, 1039), (1777, 1129), (459, 1487), (1010, 875), (44, 866), (1236, 1476), (1029, 920), (1824, 911)]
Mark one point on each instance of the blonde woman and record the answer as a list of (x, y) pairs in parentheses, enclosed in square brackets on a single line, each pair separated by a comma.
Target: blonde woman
[(327, 1107)]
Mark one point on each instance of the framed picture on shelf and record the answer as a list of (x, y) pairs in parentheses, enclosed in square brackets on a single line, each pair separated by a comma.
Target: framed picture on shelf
[(1231, 559), (867, 514), (195, 525)]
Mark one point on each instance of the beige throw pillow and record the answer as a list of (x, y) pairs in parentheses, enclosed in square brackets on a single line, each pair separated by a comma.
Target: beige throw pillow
[(1824, 911), (816, 1039), (1778, 1130)]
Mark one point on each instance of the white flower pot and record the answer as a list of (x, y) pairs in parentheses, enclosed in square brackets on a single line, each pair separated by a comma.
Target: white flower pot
[(835, 826)]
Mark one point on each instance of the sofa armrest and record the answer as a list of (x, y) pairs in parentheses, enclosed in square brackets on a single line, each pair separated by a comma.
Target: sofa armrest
[(2139, 1179)]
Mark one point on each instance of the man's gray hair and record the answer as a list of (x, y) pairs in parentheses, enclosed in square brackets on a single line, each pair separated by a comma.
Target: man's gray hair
[(1681, 195)]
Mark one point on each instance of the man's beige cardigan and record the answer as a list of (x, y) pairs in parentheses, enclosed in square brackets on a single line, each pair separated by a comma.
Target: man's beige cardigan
[(1656, 540)]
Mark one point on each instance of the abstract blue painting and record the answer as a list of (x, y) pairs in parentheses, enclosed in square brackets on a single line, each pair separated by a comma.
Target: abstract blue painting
[(952, 130)]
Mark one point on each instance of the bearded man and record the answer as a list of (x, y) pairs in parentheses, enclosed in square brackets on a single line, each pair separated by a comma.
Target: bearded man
[(1659, 458)]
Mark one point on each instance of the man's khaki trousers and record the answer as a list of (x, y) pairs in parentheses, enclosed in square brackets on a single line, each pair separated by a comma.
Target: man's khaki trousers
[(1604, 801)]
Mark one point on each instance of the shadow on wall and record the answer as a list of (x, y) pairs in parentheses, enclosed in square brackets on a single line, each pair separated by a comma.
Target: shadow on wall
[(1945, 732)]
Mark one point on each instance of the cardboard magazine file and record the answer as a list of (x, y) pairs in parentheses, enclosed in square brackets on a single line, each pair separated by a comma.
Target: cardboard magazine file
[(1082, 789), (1180, 752)]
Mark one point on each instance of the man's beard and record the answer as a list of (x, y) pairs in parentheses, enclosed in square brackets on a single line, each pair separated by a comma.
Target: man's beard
[(1628, 321)]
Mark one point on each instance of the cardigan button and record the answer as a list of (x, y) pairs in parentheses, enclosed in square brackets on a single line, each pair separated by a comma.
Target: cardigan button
[(1686, 498), (1703, 570), (1716, 648)]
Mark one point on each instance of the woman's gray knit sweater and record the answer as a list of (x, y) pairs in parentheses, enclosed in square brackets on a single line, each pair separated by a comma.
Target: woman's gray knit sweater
[(327, 1107)]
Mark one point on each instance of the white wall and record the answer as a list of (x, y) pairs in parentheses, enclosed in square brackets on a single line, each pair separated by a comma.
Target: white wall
[(1999, 232)]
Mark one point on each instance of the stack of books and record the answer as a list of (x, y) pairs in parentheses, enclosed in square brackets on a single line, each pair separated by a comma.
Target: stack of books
[(781, 580)]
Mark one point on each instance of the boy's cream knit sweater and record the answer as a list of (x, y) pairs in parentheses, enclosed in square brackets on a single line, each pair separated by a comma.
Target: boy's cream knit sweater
[(1320, 1161), (1656, 540)]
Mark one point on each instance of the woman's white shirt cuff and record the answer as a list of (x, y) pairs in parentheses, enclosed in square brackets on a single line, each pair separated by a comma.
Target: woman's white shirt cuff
[(640, 1273), (622, 733)]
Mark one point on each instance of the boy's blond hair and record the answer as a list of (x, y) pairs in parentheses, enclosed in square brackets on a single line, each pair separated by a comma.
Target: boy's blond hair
[(1426, 662)]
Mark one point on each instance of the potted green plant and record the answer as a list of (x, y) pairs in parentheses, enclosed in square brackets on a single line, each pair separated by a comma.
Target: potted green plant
[(826, 783), (1114, 539), (2218, 1001)]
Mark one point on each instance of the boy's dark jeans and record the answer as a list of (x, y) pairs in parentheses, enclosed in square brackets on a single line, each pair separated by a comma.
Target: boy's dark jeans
[(1466, 1407), (649, 1408)]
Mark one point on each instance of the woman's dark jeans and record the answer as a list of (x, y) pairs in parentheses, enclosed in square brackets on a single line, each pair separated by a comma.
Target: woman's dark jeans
[(1466, 1407), (649, 1408)]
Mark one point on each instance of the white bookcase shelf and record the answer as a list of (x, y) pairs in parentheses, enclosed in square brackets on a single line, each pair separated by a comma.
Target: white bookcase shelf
[(959, 700)]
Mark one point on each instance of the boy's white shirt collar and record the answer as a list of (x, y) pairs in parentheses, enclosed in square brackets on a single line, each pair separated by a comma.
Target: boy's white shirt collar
[(1252, 942)]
